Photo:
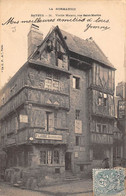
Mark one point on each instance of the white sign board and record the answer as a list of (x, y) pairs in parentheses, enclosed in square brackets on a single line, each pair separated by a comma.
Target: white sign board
[(23, 118), (48, 136), (78, 126), (76, 154)]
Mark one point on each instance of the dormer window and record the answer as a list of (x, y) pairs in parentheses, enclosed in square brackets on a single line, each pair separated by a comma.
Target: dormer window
[(49, 45), (59, 51)]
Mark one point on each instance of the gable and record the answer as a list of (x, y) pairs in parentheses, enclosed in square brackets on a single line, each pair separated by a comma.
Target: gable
[(53, 51)]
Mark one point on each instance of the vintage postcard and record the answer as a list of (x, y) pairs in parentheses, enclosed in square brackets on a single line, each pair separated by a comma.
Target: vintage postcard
[(62, 97)]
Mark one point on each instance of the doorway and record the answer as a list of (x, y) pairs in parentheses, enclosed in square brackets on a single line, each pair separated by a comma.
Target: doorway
[(68, 161)]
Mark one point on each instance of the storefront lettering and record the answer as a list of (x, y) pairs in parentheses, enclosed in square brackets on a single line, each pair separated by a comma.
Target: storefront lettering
[(102, 139), (48, 136)]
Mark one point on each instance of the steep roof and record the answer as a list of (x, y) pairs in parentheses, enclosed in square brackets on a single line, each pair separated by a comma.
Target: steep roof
[(87, 48)]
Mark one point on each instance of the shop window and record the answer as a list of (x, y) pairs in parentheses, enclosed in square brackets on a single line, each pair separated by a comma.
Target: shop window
[(77, 114), (77, 140), (56, 156), (50, 157), (43, 157), (76, 82)]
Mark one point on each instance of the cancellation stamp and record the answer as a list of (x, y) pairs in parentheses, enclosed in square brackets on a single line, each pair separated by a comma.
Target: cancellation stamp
[(109, 182)]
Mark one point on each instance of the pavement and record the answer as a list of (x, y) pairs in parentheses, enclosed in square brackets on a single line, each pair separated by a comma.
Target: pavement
[(76, 188)]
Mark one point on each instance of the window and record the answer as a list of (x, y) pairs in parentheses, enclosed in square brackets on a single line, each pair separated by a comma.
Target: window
[(102, 99), (101, 128), (59, 51), (56, 85), (105, 100), (56, 156), (98, 128), (77, 114), (104, 128), (49, 121), (52, 82), (43, 157), (48, 84), (76, 82), (49, 45), (50, 157), (77, 140)]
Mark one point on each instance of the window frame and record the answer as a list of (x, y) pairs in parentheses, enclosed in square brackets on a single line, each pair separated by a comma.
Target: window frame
[(77, 140), (77, 114), (101, 125), (76, 83), (53, 78), (43, 158)]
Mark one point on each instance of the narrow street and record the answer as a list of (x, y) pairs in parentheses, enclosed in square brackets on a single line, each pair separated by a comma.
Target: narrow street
[(76, 188)]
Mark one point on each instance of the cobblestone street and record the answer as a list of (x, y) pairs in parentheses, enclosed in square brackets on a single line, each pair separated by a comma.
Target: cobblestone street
[(76, 188)]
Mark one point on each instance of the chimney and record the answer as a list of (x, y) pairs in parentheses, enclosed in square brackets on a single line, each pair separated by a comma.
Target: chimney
[(35, 38)]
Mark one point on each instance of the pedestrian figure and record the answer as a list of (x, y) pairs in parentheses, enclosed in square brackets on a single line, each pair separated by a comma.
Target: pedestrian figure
[(106, 162)]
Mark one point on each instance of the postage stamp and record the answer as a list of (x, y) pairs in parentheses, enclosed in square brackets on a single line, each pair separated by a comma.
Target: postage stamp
[(109, 182)]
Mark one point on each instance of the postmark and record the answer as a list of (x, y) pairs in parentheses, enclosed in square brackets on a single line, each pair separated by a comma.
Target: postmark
[(109, 182)]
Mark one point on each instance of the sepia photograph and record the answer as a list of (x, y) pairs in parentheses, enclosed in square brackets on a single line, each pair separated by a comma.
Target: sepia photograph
[(62, 98)]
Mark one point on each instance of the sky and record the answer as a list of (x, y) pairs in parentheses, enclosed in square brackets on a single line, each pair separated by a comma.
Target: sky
[(108, 16)]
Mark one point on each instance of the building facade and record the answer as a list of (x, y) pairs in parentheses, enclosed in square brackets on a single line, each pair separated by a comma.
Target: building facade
[(57, 111), (121, 113)]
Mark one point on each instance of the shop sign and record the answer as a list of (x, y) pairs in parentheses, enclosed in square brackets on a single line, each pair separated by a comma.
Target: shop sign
[(48, 136), (101, 138), (82, 149), (76, 154), (23, 118), (78, 126)]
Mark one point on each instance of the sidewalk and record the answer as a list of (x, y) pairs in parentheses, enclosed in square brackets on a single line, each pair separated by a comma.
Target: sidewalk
[(76, 188)]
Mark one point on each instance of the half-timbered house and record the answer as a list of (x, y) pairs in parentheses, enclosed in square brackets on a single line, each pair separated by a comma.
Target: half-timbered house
[(57, 111)]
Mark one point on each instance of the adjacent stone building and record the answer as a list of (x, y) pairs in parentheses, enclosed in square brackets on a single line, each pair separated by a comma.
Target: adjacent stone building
[(57, 111), (121, 113)]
